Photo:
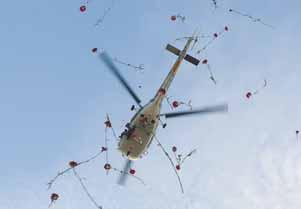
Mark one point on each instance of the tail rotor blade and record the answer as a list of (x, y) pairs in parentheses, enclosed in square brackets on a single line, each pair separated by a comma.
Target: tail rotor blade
[(204, 110), (124, 174), (111, 66)]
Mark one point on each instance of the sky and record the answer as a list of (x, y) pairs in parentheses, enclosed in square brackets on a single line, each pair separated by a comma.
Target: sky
[(55, 94)]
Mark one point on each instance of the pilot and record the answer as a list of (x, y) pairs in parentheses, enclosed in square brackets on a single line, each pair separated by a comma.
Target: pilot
[(128, 131)]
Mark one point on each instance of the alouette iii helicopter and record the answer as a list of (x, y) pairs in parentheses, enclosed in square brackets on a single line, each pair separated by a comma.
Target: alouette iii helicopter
[(141, 129)]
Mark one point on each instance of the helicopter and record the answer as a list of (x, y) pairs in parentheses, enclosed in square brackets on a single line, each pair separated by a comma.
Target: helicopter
[(137, 138)]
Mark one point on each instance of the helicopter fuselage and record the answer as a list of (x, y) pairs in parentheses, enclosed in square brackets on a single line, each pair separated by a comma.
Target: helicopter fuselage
[(140, 131), (136, 139)]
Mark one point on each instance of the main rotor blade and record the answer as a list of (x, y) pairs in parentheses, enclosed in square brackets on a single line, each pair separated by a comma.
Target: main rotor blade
[(109, 64), (124, 174), (204, 110)]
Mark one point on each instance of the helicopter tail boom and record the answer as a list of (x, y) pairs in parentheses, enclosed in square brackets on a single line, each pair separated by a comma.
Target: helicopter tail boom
[(182, 55)]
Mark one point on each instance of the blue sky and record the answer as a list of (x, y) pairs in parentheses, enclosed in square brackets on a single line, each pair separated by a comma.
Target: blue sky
[(55, 94)]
